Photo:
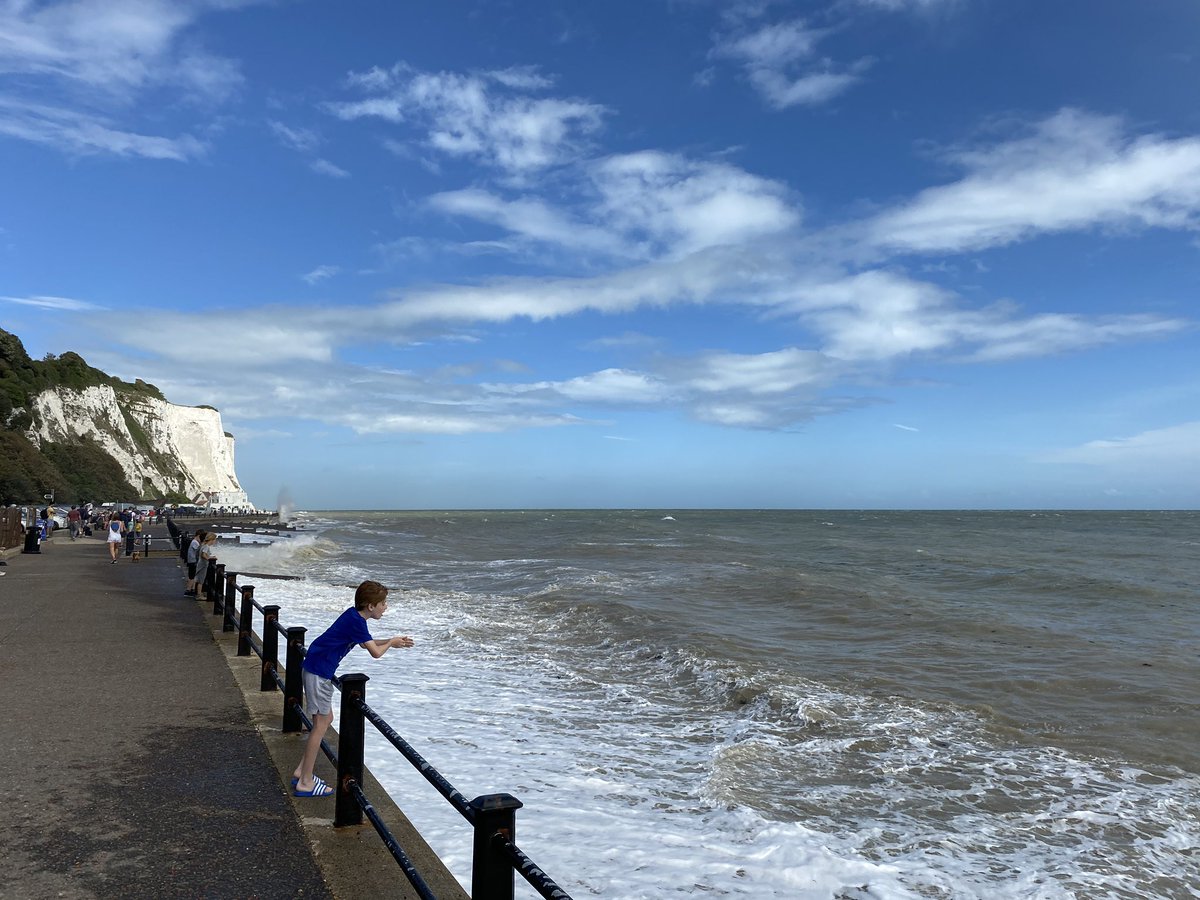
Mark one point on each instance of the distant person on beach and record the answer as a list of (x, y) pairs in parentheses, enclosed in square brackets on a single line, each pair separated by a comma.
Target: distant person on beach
[(321, 662), (193, 559), (116, 533)]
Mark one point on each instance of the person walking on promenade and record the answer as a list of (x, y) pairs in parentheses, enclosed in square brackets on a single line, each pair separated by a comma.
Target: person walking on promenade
[(193, 558), (321, 662), (116, 532), (74, 521)]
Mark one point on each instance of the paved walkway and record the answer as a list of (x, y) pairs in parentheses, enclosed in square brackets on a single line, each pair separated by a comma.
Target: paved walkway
[(133, 767)]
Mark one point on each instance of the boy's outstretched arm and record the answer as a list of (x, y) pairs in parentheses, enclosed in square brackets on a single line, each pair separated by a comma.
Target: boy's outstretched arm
[(377, 647)]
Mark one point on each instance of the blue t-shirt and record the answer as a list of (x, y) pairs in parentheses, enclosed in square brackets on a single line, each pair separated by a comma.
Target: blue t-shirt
[(327, 651)]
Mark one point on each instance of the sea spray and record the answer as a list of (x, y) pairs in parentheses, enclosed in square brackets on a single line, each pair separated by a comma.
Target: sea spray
[(788, 705), (286, 505)]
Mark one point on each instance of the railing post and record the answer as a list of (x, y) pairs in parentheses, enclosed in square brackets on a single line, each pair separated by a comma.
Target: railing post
[(350, 750), (185, 540), (229, 608), (491, 871), (219, 601), (217, 576), (270, 642), (293, 680), (245, 620)]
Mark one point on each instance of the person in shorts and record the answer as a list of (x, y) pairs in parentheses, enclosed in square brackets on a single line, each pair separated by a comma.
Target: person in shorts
[(193, 557), (116, 534), (320, 663)]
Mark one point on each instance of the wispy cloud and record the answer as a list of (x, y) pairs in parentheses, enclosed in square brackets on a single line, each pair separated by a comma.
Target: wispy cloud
[(320, 273), (118, 47), (859, 326), (325, 167), (492, 117), (1072, 171), (63, 304), (95, 60), (306, 141), (82, 133), (302, 140), (781, 62), (649, 204), (1174, 445), (912, 5)]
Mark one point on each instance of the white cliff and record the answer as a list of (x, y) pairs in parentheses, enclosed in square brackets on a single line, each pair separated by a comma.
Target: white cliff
[(161, 447)]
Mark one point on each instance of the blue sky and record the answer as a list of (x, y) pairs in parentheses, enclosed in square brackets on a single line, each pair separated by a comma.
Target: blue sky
[(855, 253)]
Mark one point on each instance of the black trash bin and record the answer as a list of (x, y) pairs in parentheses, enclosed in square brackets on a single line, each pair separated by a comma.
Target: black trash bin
[(31, 540)]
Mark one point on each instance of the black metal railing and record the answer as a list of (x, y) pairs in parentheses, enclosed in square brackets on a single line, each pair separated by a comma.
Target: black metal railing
[(496, 858)]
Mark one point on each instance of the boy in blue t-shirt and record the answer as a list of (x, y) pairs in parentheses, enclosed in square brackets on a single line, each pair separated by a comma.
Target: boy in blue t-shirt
[(321, 661)]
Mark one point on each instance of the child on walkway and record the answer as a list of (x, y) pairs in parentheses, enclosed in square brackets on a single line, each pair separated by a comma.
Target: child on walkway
[(320, 663), (193, 558)]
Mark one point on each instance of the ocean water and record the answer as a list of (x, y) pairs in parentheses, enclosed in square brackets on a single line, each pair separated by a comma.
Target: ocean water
[(786, 704)]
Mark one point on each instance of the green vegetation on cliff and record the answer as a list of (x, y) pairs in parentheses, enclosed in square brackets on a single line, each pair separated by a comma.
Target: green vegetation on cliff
[(76, 471)]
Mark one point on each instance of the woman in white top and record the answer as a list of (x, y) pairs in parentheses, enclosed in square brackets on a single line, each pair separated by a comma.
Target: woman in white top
[(116, 534)]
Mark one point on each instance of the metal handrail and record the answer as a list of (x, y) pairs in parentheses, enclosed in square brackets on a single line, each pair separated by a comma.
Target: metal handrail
[(538, 880), (389, 841), (453, 796), (491, 815)]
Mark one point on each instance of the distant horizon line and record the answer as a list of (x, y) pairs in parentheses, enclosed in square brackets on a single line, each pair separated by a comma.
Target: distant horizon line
[(1030, 509)]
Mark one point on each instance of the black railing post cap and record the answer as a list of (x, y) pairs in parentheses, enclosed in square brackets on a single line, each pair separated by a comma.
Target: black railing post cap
[(496, 802), (354, 677)]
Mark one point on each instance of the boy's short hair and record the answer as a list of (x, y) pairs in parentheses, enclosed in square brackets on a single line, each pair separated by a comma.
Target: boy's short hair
[(368, 594)]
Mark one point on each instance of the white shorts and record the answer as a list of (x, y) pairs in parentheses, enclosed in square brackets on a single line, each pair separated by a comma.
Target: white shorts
[(318, 694), (115, 537)]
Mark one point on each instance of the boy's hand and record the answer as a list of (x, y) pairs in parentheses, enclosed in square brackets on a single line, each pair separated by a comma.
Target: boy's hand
[(401, 640)]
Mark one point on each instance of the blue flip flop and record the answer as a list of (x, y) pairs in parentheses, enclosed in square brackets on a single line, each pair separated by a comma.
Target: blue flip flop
[(320, 789)]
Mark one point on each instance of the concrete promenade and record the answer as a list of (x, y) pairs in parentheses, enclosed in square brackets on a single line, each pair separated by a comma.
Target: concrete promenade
[(141, 760)]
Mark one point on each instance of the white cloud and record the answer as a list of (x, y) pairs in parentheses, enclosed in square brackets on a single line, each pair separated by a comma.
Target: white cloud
[(812, 89), (97, 58), (303, 140), (609, 386), (642, 205), (449, 423), (85, 133), (911, 5), (486, 116), (1074, 171), (679, 206), (65, 304), (878, 315), (781, 63), (529, 218), (116, 46), (320, 273), (1170, 446), (775, 372), (325, 167), (1047, 334), (774, 46), (694, 279)]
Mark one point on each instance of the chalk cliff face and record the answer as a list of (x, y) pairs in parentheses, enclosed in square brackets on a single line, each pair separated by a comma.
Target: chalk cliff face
[(160, 446)]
